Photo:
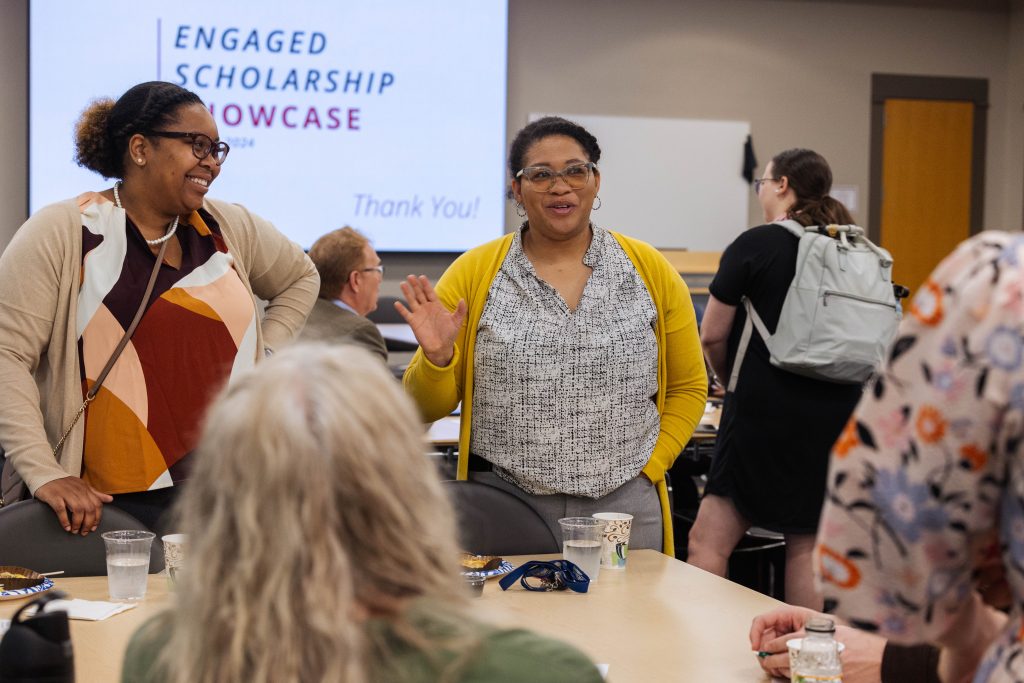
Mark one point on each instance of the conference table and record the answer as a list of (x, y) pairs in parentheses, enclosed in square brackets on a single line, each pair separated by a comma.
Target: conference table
[(658, 620), (444, 433)]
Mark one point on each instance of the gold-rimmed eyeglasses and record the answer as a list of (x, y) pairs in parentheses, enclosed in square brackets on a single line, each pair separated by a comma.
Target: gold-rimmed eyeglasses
[(542, 178), (202, 144)]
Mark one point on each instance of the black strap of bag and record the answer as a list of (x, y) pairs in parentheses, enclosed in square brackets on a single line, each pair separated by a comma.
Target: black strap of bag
[(9, 472)]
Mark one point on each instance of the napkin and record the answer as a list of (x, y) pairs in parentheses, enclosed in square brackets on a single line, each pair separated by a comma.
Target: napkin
[(88, 610)]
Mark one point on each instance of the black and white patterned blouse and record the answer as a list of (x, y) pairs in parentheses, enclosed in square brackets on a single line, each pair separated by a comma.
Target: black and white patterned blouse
[(564, 401)]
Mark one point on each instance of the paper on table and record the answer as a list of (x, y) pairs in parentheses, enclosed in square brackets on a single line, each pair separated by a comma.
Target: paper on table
[(88, 610), (603, 669)]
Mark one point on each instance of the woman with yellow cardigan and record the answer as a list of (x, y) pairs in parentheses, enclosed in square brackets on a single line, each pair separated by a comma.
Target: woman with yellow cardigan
[(573, 349)]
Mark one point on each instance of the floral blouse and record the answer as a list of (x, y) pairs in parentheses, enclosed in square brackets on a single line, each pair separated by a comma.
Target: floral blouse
[(927, 480)]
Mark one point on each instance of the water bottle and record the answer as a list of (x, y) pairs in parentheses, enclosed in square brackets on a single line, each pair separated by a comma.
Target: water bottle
[(818, 659)]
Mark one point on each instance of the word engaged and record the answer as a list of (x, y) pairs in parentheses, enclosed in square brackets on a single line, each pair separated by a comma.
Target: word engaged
[(368, 205)]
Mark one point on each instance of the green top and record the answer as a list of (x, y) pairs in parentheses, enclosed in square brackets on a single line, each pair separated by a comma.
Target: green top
[(486, 655)]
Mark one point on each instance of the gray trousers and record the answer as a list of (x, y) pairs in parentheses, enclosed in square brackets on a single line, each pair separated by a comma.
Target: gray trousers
[(636, 497)]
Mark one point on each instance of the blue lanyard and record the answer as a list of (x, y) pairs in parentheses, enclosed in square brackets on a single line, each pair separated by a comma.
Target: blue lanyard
[(554, 575)]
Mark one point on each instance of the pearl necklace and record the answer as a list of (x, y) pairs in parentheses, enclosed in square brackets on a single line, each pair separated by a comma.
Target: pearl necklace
[(159, 240)]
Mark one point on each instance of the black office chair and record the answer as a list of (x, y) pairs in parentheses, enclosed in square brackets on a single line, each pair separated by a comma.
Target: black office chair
[(494, 522), (31, 536), (385, 311)]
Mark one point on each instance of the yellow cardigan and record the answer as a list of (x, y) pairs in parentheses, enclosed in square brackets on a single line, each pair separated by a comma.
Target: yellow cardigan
[(682, 380)]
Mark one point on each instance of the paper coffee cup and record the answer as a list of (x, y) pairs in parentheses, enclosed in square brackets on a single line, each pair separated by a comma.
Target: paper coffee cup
[(174, 555), (615, 544)]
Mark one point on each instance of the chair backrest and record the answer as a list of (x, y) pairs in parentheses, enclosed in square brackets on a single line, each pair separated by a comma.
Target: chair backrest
[(494, 522), (31, 536), (385, 311)]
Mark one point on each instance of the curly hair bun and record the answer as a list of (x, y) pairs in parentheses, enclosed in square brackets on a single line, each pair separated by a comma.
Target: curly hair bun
[(92, 144)]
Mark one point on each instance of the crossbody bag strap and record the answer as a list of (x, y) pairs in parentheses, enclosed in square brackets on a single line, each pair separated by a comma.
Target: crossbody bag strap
[(91, 394)]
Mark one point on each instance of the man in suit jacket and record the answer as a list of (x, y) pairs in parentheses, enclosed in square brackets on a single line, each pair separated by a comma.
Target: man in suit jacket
[(350, 277)]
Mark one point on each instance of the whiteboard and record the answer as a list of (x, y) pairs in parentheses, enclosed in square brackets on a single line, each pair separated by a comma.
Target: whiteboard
[(675, 183)]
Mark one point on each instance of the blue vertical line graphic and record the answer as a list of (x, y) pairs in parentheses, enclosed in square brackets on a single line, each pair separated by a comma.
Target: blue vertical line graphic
[(158, 49)]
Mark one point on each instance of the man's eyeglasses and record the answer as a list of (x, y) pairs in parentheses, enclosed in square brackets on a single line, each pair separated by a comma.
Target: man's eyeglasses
[(202, 144), (758, 182), (379, 269), (542, 178), (556, 575)]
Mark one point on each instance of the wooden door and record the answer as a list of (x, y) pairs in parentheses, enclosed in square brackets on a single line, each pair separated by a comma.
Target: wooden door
[(926, 183)]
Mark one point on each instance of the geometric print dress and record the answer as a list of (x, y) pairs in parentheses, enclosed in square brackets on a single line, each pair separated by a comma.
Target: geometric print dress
[(198, 330), (926, 484)]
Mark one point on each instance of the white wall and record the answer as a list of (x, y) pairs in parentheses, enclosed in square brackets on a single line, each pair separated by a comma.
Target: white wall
[(13, 116), (800, 72)]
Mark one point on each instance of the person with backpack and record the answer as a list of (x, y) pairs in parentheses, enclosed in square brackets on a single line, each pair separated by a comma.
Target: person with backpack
[(778, 424)]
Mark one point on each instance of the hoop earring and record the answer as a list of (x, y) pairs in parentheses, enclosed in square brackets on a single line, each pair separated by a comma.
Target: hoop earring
[(520, 210), (598, 206)]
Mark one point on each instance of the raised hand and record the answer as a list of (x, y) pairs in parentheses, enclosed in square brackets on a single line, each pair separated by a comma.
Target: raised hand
[(434, 326), (78, 505)]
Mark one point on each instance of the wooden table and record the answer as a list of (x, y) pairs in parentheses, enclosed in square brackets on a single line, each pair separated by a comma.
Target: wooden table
[(659, 620), (100, 645), (444, 433)]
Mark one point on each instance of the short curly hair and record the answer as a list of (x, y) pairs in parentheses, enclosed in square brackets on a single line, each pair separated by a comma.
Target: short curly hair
[(546, 127), (104, 128)]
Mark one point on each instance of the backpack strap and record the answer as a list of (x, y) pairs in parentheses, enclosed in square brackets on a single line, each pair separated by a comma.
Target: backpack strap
[(753, 321), (794, 227)]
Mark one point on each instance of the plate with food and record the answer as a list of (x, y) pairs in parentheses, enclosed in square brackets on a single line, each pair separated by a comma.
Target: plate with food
[(19, 582), (486, 566)]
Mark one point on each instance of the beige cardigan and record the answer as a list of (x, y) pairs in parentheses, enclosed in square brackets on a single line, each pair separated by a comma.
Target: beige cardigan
[(40, 273)]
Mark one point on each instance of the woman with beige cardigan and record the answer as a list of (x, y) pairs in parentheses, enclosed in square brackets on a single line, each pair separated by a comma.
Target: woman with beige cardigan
[(156, 268)]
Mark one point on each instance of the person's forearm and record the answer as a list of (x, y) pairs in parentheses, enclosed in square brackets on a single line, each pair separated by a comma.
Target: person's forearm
[(717, 356)]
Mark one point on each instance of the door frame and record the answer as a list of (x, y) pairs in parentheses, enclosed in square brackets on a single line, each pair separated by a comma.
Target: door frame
[(905, 87)]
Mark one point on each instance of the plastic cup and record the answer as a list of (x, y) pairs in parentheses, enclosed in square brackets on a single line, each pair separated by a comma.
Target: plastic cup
[(581, 543), (127, 563), (475, 584), (615, 540), (174, 555)]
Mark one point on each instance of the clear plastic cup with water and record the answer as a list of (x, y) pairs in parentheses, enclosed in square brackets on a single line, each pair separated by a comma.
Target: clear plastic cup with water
[(581, 543), (127, 563)]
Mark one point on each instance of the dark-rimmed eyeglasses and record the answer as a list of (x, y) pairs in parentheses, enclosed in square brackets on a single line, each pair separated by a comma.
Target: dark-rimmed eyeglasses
[(379, 269), (542, 178), (555, 575), (202, 144), (758, 182)]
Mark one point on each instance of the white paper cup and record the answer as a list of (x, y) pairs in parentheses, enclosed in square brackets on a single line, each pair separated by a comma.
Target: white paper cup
[(615, 543), (174, 555)]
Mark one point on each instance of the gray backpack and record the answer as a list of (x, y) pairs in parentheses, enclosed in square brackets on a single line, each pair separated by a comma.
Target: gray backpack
[(840, 312)]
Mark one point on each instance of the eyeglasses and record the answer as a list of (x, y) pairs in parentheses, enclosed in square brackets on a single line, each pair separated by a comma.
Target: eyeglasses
[(542, 178), (758, 182), (202, 144), (556, 575), (379, 269)]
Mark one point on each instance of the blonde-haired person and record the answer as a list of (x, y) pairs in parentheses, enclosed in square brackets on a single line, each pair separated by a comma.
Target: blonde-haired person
[(354, 579)]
